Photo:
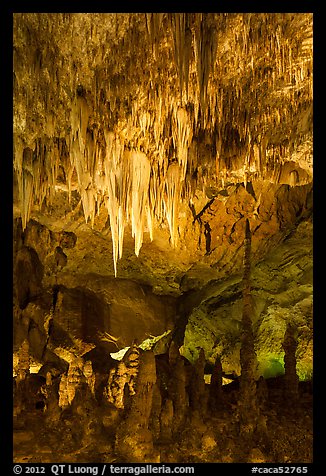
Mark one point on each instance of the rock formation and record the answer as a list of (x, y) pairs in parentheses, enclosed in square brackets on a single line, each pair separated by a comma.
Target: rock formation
[(215, 388), (23, 361), (145, 144), (248, 411), (178, 394), (134, 440), (291, 381), (197, 391), (122, 379)]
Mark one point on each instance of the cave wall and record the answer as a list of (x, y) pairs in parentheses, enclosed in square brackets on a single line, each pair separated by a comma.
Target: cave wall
[(58, 316), (282, 293)]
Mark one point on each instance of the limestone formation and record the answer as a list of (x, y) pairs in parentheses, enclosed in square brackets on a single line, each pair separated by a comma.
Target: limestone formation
[(166, 420), (144, 144), (155, 419), (196, 389), (215, 388), (178, 394), (122, 379), (134, 440), (55, 399), (22, 373), (89, 375), (291, 391), (248, 409), (111, 144), (23, 361), (69, 382), (262, 393)]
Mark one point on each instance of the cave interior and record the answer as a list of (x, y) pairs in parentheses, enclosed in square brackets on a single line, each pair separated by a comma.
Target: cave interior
[(163, 237)]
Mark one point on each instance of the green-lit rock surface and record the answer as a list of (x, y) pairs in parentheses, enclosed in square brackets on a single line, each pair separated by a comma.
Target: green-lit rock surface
[(282, 292)]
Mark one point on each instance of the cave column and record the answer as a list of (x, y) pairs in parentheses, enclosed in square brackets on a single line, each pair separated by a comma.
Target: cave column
[(248, 408)]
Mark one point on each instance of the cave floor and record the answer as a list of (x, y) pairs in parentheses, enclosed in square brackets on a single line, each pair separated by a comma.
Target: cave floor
[(74, 439)]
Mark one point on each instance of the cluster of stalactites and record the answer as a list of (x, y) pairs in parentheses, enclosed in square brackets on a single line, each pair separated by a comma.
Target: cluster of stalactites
[(131, 130), (135, 189), (36, 173)]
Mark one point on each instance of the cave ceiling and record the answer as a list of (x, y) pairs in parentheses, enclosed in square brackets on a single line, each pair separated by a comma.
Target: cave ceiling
[(152, 137)]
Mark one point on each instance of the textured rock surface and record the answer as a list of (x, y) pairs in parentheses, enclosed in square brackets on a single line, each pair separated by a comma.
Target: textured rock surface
[(134, 440), (137, 149), (142, 145), (282, 293)]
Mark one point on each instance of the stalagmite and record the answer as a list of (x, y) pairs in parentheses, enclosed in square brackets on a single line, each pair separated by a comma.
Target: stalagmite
[(134, 440), (291, 380), (53, 393), (78, 373), (177, 388), (89, 375), (23, 361), (155, 422), (166, 420), (215, 388), (262, 392), (197, 390), (122, 379)]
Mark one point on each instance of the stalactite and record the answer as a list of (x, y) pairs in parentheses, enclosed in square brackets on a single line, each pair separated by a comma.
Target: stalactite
[(26, 196), (205, 52), (182, 136), (182, 37), (171, 200), (117, 189), (140, 171)]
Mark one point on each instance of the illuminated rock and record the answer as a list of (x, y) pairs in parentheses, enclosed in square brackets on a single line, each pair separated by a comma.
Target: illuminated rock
[(143, 142), (134, 440)]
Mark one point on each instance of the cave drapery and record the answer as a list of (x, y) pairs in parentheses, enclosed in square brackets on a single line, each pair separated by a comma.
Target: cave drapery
[(143, 145)]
